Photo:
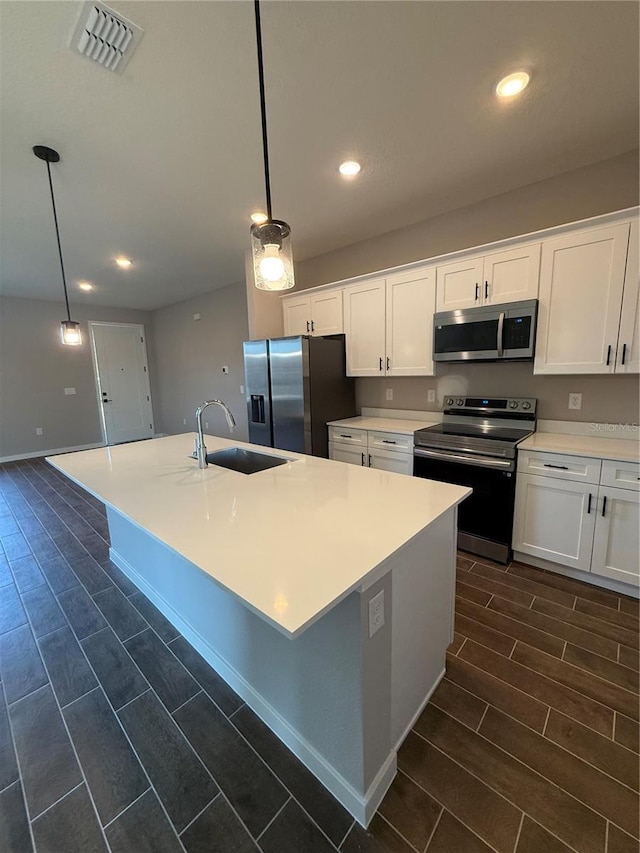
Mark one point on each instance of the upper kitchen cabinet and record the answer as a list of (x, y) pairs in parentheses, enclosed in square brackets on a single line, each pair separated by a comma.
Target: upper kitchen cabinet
[(315, 314), (507, 276), (582, 278), (628, 355), (389, 325)]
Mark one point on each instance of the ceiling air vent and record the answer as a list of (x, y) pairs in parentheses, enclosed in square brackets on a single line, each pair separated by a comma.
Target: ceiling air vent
[(105, 37)]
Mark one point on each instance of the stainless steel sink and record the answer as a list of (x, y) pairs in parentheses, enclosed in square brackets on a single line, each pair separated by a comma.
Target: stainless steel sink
[(244, 461)]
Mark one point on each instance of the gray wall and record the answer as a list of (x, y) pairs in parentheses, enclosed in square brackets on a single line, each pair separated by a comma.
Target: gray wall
[(190, 355), (35, 368), (599, 188)]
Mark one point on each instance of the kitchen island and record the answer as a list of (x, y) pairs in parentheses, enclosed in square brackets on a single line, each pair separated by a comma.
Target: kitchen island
[(321, 592)]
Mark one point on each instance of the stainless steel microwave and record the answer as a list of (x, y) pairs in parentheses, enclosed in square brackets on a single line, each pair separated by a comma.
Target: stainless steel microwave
[(493, 333)]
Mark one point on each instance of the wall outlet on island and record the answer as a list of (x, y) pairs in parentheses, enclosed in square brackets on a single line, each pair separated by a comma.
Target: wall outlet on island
[(376, 613), (575, 400), (431, 396), (184, 421), (39, 430), (389, 394)]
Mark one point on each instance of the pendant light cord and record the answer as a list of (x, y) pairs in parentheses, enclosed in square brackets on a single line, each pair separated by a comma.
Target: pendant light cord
[(55, 219), (263, 111)]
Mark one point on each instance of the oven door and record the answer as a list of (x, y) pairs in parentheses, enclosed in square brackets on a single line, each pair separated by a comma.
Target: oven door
[(485, 518)]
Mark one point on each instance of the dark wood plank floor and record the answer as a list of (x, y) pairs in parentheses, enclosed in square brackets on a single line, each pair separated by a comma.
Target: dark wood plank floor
[(115, 735)]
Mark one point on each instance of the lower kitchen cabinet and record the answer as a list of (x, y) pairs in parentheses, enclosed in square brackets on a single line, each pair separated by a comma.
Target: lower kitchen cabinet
[(615, 545), (372, 449), (590, 526)]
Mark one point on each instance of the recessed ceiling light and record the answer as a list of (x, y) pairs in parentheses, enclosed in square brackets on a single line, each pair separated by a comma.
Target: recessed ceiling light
[(85, 285), (124, 263), (513, 84), (349, 168), (259, 218)]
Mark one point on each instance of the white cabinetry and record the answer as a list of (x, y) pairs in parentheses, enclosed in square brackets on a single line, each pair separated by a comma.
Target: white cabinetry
[(389, 325), (628, 355), (570, 514), (313, 313), (581, 288), (508, 276), (386, 451)]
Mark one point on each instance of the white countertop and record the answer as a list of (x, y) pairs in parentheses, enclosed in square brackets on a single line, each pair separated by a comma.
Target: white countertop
[(290, 541), (382, 424), (583, 445)]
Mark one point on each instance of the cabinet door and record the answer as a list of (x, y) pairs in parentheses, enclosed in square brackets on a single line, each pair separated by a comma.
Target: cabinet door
[(387, 460), (326, 313), (411, 299), (459, 285), (511, 276), (581, 282), (345, 453), (297, 315), (554, 520), (364, 326), (615, 547), (628, 360)]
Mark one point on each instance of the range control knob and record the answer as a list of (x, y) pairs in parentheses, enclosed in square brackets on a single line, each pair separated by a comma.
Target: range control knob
[(449, 401), (513, 404), (459, 401), (526, 405)]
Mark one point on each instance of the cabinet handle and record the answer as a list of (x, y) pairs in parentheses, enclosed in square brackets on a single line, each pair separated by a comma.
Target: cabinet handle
[(388, 363), (308, 326), (344, 435), (559, 467), (369, 460), (604, 505), (486, 289), (608, 355), (386, 441), (381, 364), (589, 504), (624, 353), (477, 291), (362, 459), (313, 326)]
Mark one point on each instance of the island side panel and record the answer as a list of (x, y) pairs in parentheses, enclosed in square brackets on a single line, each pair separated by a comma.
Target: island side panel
[(325, 693), (423, 605)]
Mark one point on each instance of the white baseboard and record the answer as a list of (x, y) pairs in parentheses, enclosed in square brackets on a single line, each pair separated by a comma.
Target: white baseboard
[(587, 577), (36, 453), (361, 807)]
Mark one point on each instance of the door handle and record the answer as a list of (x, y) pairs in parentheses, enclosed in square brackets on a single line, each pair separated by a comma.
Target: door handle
[(362, 463), (486, 290), (369, 460), (388, 363), (604, 505), (381, 364), (608, 355), (308, 326), (624, 353), (312, 326), (501, 334), (589, 504), (477, 291)]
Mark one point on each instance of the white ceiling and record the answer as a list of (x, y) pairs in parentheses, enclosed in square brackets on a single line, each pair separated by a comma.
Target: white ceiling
[(163, 163)]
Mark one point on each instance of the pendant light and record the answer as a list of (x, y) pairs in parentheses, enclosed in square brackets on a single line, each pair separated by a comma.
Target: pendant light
[(69, 329), (271, 240)]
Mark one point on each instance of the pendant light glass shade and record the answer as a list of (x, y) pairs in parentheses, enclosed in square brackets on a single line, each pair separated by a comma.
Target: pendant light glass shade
[(70, 333), (272, 256)]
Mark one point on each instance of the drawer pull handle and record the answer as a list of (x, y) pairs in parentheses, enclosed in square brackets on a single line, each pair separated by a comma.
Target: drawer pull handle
[(380, 363), (559, 467), (604, 505), (362, 463), (344, 435), (386, 441), (589, 504), (608, 355), (369, 460)]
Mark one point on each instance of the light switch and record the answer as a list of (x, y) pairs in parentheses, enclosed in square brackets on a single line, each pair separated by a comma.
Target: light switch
[(69, 392)]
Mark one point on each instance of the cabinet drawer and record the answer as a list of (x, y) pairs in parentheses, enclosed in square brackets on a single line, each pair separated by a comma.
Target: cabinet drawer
[(344, 435), (391, 441), (621, 475), (579, 468)]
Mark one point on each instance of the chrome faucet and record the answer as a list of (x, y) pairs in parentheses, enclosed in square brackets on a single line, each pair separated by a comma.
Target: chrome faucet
[(200, 451)]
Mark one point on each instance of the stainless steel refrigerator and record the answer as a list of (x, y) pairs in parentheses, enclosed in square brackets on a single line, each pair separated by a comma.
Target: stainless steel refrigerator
[(293, 387)]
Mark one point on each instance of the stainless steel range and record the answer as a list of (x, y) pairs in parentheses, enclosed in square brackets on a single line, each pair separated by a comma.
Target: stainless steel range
[(475, 446)]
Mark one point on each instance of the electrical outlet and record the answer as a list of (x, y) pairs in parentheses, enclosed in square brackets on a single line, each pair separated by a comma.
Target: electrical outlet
[(184, 421), (431, 396), (225, 369), (206, 424), (376, 613), (197, 316), (69, 392), (575, 400), (39, 430), (242, 389), (389, 394)]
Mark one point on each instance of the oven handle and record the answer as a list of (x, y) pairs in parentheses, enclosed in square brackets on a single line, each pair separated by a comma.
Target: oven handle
[(501, 335), (469, 459)]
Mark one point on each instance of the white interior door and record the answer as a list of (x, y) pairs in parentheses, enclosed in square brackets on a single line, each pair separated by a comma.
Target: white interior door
[(122, 374)]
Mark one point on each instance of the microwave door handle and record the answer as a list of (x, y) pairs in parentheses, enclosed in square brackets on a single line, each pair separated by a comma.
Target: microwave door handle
[(501, 335)]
